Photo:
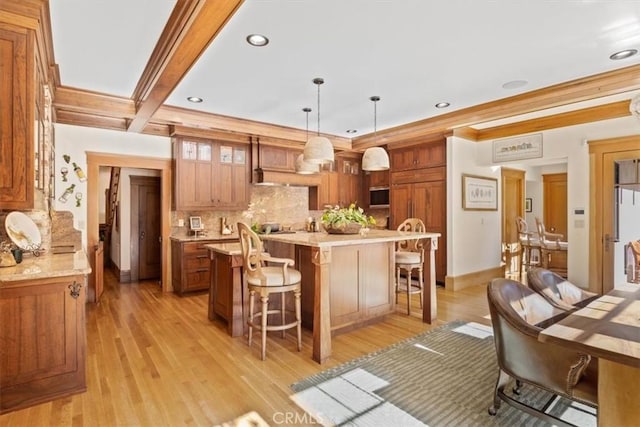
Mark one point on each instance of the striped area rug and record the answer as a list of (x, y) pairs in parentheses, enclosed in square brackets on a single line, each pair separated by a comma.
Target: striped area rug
[(444, 377)]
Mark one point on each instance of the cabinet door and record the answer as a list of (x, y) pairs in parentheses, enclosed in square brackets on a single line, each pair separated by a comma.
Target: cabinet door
[(230, 177), (430, 205), (402, 159), (278, 158), (16, 121), (44, 323), (379, 179), (400, 201)]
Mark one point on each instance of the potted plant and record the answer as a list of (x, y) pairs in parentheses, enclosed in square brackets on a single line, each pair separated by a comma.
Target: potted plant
[(351, 220)]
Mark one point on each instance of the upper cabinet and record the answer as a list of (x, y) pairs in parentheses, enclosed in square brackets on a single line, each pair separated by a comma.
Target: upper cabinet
[(418, 157), (341, 184), (378, 179), (278, 158), (210, 174)]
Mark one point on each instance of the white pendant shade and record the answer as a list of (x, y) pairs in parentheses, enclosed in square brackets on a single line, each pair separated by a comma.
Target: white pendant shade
[(318, 150), (375, 159), (306, 168)]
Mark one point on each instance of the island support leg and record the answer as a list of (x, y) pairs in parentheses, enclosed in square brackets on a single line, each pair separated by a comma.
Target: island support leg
[(321, 307), (429, 305)]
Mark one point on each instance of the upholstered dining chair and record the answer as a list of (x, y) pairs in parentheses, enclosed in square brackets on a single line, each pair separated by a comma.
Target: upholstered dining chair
[(529, 244), (263, 281), (550, 243), (557, 290), (409, 257), (516, 315)]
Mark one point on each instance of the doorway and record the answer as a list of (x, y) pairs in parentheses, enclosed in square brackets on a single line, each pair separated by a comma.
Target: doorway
[(94, 161), (512, 208), (146, 239), (604, 155)]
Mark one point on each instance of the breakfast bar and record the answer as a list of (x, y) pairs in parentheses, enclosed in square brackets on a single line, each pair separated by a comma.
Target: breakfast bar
[(348, 281)]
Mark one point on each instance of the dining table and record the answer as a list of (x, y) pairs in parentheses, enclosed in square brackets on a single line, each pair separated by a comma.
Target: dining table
[(608, 328)]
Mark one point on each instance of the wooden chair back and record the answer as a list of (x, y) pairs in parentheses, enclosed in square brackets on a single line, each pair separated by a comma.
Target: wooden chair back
[(413, 245), (251, 247)]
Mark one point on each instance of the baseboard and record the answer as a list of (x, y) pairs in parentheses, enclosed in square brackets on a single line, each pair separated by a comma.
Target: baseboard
[(124, 276), (483, 277)]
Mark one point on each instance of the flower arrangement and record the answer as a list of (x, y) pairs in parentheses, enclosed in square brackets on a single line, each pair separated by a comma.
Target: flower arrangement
[(346, 220)]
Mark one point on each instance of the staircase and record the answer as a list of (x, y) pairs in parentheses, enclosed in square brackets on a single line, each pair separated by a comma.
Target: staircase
[(111, 206)]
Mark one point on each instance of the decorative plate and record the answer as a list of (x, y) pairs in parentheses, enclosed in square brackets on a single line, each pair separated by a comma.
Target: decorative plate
[(23, 231)]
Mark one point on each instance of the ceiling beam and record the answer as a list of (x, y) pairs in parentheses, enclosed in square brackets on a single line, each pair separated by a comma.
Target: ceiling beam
[(613, 110), (599, 85), (88, 102), (191, 28)]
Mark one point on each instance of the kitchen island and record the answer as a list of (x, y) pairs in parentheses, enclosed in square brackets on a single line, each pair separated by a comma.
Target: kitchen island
[(348, 281)]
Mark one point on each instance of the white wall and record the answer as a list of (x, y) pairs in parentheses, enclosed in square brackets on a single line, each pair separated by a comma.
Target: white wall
[(75, 141), (466, 232)]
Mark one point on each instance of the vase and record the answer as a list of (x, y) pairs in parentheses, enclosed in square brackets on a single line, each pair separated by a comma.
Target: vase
[(350, 228)]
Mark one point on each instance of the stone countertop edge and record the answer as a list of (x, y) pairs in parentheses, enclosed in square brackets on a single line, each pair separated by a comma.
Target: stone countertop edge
[(45, 266), (322, 239), (230, 248), (233, 236)]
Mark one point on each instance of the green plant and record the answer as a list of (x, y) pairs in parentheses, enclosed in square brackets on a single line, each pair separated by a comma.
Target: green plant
[(338, 216)]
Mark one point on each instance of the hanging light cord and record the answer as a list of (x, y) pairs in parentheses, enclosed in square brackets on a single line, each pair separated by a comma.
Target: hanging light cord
[(318, 81), (375, 100)]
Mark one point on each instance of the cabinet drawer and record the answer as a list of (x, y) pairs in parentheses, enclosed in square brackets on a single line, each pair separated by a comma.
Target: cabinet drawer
[(197, 262), (196, 248), (420, 175), (196, 280)]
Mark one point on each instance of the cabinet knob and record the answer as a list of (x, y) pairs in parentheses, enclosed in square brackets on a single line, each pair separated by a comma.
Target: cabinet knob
[(74, 289)]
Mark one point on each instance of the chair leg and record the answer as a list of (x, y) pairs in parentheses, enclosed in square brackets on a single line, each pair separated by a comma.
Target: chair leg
[(421, 284), (282, 316), (397, 282), (265, 306), (250, 317), (408, 272), (298, 318), (503, 379)]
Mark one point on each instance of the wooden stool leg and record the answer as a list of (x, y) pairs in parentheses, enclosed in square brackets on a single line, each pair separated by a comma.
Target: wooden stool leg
[(282, 314), (265, 305), (421, 283), (252, 294), (298, 318)]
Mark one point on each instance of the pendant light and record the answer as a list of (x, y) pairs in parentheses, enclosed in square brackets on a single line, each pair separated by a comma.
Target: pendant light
[(303, 167), (318, 149), (375, 158)]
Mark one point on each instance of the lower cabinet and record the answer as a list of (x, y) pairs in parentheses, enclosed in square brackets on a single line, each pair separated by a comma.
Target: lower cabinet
[(190, 266), (43, 340)]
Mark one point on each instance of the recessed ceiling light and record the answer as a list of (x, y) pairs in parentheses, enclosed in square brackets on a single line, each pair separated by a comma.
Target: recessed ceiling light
[(514, 84), (257, 40), (194, 99), (623, 54), (442, 105), (352, 130)]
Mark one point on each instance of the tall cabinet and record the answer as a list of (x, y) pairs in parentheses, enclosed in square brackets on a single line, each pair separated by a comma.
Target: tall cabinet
[(419, 190)]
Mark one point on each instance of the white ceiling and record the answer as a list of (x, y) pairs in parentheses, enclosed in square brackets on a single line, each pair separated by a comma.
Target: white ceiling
[(411, 53)]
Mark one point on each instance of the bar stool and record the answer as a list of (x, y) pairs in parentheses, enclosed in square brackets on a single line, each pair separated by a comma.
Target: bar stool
[(529, 244), (263, 281), (409, 257)]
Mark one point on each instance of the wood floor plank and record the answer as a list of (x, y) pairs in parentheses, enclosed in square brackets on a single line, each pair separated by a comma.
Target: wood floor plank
[(154, 359)]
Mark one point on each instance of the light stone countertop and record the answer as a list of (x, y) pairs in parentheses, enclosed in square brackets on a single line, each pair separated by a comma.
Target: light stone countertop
[(45, 266), (323, 239), (231, 248), (233, 236)]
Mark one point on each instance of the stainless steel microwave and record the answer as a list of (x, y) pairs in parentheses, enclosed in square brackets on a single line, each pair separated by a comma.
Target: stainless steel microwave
[(379, 197)]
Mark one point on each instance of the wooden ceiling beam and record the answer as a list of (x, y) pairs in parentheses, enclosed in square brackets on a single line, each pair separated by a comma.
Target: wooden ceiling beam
[(191, 28), (599, 85), (586, 115), (87, 102)]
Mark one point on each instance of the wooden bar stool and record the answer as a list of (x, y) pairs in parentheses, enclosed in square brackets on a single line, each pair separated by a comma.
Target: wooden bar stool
[(262, 281), (409, 257)]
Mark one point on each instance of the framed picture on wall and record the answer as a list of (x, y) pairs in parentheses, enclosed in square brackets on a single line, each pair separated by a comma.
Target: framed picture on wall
[(527, 204), (479, 193)]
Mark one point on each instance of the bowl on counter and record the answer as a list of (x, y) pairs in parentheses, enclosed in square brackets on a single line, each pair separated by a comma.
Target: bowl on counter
[(270, 227)]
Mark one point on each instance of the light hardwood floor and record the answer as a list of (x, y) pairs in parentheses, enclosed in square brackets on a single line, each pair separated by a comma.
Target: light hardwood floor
[(155, 359)]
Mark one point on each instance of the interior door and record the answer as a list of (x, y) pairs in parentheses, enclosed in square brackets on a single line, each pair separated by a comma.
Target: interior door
[(610, 217), (512, 207), (555, 213), (555, 203), (146, 259)]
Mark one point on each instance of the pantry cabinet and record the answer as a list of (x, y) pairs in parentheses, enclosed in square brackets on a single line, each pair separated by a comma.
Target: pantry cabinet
[(210, 174)]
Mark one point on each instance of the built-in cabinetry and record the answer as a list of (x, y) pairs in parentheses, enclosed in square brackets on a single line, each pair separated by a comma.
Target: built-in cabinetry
[(43, 340), (278, 158), (25, 122), (340, 185), (190, 266), (210, 174), (419, 190)]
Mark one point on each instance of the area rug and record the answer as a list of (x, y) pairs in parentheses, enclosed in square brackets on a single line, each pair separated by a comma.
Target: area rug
[(444, 377)]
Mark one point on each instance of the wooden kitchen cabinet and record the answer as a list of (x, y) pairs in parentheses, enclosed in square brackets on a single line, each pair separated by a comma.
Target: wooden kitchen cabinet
[(17, 112), (43, 340), (278, 158), (419, 156), (378, 179), (421, 192), (340, 186), (210, 174), (190, 266)]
